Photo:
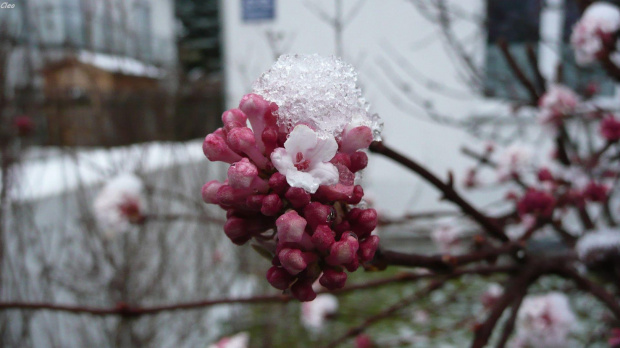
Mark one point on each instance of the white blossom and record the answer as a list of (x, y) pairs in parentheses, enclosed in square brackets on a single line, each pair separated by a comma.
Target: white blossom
[(304, 160), (120, 203), (557, 102), (516, 231), (544, 321), (421, 317), (446, 237), (514, 159), (314, 313), (493, 292), (240, 340)]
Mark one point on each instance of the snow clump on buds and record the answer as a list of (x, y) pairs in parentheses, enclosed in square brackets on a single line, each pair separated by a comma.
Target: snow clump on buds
[(594, 32), (320, 92), (599, 248), (120, 204), (295, 147)]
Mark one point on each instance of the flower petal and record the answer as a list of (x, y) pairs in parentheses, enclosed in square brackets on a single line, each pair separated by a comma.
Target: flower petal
[(324, 173), (303, 180), (281, 160), (302, 139), (324, 150)]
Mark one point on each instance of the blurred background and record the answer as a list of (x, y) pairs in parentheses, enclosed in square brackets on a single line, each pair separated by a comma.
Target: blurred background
[(114, 86)]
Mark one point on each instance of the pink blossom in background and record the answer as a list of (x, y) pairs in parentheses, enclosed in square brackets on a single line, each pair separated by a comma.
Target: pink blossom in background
[(610, 128), (516, 231), (120, 203), (594, 31), (614, 340), (421, 317), (363, 341), (446, 237), (538, 203), (557, 103), (24, 125), (493, 292), (513, 161)]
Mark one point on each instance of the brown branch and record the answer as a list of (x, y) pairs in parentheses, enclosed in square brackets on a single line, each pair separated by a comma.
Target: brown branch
[(485, 160), (517, 288), (596, 290), (517, 72), (447, 189), (509, 325), (533, 60), (444, 262), (560, 143), (482, 159), (129, 311), (566, 236)]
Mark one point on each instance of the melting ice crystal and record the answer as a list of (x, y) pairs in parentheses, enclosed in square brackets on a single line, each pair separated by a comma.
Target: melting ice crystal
[(318, 91)]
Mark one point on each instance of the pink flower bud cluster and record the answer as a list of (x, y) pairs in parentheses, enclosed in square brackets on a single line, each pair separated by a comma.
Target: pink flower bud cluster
[(24, 125), (318, 234), (610, 128), (536, 202)]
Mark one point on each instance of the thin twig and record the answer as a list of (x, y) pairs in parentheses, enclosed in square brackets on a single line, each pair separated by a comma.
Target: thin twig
[(596, 290), (517, 288), (127, 310), (509, 325), (518, 73), (533, 59), (446, 188)]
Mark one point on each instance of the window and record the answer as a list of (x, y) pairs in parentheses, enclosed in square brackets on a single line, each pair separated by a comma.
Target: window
[(73, 23), (143, 29), (519, 24), (107, 28)]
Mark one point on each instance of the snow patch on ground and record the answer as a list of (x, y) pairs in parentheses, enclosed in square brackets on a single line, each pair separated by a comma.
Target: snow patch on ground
[(57, 171)]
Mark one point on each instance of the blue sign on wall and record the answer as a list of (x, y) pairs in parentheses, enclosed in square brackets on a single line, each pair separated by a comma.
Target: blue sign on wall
[(258, 9)]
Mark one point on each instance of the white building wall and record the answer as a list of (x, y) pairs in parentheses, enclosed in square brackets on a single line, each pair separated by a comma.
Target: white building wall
[(163, 25), (379, 24)]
